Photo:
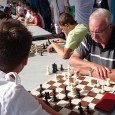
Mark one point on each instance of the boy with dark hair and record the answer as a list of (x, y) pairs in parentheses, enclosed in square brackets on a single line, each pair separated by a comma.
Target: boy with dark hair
[(15, 43), (36, 21)]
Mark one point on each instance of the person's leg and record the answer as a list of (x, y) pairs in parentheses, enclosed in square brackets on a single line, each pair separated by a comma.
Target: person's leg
[(47, 24), (57, 30)]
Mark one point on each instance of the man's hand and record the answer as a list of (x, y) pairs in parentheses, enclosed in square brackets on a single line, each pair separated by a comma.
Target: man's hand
[(100, 70), (49, 48), (60, 40)]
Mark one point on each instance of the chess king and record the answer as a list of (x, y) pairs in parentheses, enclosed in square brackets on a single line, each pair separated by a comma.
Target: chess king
[(15, 43), (98, 47)]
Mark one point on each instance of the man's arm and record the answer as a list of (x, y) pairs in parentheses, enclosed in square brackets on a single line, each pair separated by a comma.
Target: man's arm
[(76, 60), (63, 52)]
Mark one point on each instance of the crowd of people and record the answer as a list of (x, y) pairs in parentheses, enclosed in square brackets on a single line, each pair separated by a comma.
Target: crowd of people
[(89, 44)]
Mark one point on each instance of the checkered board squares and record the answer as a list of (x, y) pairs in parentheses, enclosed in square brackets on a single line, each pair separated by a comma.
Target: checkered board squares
[(88, 98)]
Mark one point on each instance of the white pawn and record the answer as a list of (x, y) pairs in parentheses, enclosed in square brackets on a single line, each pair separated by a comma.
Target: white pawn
[(48, 71), (73, 89), (75, 81), (102, 89), (68, 68), (90, 81), (83, 90), (75, 74), (108, 82), (68, 81), (68, 74), (68, 71), (56, 77), (65, 76)]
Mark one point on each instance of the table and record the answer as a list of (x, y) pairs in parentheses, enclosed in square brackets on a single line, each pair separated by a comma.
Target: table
[(38, 32), (35, 72)]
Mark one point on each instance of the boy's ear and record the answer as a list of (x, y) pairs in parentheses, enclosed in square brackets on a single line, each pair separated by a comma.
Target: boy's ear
[(25, 60)]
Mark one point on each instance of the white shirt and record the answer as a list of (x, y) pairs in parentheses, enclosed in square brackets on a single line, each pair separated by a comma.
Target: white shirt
[(28, 15), (83, 9), (15, 100), (61, 5)]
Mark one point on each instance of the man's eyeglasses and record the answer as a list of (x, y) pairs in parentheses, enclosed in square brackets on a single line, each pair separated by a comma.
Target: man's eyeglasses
[(99, 33)]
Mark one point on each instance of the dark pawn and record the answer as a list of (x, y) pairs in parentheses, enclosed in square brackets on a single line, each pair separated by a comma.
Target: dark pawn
[(47, 45), (61, 67), (48, 95), (80, 109), (66, 96), (44, 46), (54, 96), (65, 89), (41, 53), (49, 42), (70, 104), (41, 95), (88, 111), (78, 94), (41, 88)]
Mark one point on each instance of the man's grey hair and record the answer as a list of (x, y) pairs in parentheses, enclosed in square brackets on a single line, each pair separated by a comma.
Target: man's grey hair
[(101, 12)]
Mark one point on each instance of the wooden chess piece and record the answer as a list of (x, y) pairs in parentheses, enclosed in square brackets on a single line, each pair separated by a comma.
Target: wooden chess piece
[(54, 96), (70, 104), (80, 109), (78, 94), (41, 95), (61, 68)]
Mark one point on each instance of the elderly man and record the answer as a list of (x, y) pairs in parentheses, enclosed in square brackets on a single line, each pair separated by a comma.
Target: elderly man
[(98, 46)]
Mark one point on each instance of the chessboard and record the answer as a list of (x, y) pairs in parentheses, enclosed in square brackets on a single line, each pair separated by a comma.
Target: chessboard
[(73, 94), (40, 48)]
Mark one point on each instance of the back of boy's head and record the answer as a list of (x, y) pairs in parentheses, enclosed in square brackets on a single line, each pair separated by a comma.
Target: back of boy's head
[(15, 43), (66, 18), (34, 10)]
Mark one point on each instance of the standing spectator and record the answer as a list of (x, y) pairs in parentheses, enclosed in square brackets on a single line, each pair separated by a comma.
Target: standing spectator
[(58, 7), (71, 5), (32, 3), (104, 4), (43, 7), (83, 9)]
